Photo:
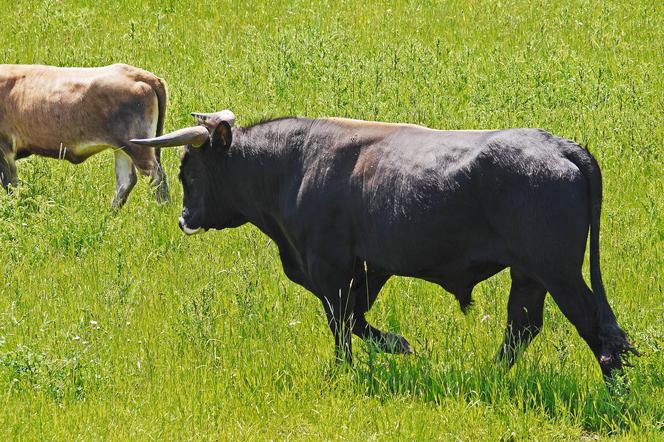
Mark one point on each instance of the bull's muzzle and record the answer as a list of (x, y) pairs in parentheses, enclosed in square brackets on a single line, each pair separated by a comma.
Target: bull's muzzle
[(188, 230)]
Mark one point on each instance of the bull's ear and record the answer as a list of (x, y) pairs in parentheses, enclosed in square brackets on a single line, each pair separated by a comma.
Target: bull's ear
[(222, 136)]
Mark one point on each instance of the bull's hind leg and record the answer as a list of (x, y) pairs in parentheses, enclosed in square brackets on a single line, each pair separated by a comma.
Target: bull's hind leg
[(365, 289), (125, 178), (576, 301), (524, 315)]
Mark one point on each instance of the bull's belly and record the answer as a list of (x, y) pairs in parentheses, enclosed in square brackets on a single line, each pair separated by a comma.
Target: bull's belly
[(435, 258), (455, 270)]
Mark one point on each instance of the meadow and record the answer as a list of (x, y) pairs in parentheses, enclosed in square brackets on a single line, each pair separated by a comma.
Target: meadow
[(117, 326)]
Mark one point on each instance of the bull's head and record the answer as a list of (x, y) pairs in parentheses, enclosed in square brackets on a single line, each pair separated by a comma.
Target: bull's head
[(205, 203)]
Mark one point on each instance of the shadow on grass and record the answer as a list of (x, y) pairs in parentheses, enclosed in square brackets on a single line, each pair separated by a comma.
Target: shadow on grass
[(528, 386)]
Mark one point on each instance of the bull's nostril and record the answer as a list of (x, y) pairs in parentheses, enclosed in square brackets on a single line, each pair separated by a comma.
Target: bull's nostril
[(181, 223)]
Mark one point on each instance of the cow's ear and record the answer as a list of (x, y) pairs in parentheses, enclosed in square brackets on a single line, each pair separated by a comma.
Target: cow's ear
[(221, 136)]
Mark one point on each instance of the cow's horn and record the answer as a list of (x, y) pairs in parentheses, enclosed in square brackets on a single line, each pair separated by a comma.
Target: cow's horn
[(194, 136), (214, 118)]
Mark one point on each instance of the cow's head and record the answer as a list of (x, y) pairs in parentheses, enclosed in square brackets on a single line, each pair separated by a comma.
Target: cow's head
[(206, 202)]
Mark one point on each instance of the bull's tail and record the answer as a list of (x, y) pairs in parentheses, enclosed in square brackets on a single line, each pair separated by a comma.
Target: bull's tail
[(614, 341)]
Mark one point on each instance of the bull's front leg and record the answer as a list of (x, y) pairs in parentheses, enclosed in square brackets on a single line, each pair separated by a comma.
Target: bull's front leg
[(334, 291), (338, 310)]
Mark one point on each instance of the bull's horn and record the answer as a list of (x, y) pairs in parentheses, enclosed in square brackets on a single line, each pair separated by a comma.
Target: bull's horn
[(194, 136), (214, 118)]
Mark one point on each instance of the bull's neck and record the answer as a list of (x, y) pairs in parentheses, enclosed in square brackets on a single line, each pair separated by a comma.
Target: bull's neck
[(265, 163)]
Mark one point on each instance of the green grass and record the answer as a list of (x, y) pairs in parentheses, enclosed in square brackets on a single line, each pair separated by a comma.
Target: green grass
[(118, 327)]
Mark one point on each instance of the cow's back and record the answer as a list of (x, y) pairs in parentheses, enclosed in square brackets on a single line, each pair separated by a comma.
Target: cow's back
[(45, 107)]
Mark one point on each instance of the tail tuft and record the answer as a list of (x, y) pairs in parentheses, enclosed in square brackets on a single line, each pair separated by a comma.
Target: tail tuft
[(615, 343)]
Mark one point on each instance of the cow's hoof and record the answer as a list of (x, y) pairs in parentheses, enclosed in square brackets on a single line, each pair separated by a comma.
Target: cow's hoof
[(163, 198), (162, 193)]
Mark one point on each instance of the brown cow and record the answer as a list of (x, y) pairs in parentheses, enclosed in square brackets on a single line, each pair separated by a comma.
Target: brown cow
[(73, 113)]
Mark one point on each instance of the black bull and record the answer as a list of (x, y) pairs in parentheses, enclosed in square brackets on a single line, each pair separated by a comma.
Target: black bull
[(351, 203)]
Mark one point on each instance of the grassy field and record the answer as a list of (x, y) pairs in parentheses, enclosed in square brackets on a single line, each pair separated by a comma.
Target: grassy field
[(116, 326)]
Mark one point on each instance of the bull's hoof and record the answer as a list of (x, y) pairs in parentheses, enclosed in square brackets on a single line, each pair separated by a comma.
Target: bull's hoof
[(116, 205), (392, 343)]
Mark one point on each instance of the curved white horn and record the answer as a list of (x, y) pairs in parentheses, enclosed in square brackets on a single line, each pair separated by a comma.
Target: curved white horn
[(214, 118), (194, 136)]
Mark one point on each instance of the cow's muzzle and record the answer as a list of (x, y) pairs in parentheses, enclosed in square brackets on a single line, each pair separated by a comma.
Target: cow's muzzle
[(188, 230)]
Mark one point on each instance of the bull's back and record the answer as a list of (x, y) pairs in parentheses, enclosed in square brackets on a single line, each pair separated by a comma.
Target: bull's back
[(454, 197), (418, 202), (403, 191)]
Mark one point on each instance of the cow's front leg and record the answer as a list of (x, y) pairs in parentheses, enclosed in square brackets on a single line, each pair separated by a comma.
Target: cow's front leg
[(340, 320), (148, 163), (385, 341), (125, 178), (8, 175)]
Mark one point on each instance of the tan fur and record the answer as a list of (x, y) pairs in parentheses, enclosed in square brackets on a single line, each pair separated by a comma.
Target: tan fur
[(350, 122), (367, 132), (73, 113), (389, 127)]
